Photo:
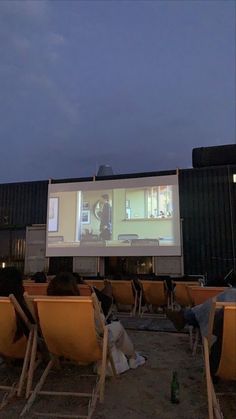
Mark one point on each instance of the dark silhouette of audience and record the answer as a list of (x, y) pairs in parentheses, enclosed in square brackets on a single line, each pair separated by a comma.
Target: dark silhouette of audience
[(11, 282)]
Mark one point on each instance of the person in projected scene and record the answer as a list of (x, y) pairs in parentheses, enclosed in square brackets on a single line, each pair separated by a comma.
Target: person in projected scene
[(105, 219)]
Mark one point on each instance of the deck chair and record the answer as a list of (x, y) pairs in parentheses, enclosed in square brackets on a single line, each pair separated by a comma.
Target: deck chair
[(98, 283), (182, 297), (227, 365), (36, 288), (181, 293), (68, 328), (85, 290), (199, 295), (124, 293), (21, 349), (154, 294)]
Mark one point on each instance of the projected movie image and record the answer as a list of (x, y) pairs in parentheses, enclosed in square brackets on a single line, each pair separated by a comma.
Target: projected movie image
[(115, 220)]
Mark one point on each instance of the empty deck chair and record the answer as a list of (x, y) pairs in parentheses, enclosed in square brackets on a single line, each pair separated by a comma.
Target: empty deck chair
[(85, 290), (199, 295), (181, 292), (34, 288), (124, 293), (154, 294), (227, 365), (98, 283), (68, 328), (10, 350)]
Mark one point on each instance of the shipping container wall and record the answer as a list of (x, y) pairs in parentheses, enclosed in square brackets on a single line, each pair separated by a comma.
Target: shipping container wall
[(21, 204), (207, 208)]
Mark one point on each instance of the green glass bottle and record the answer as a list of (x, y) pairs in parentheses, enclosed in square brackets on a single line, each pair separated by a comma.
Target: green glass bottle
[(175, 388)]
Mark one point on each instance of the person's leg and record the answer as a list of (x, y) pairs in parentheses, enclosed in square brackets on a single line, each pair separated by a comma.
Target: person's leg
[(182, 317), (190, 317), (119, 337)]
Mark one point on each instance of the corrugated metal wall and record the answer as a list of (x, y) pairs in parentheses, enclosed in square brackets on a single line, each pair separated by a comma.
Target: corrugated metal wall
[(21, 204), (207, 207)]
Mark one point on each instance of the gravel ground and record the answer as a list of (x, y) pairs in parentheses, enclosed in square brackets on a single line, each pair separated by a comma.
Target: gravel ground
[(143, 393)]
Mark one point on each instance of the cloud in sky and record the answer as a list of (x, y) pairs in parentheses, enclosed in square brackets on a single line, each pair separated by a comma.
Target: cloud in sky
[(26, 9), (56, 39), (133, 84)]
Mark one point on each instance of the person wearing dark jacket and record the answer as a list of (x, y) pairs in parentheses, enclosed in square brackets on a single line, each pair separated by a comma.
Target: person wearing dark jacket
[(11, 282)]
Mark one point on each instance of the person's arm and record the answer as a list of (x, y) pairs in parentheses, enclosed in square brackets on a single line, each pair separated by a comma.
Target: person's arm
[(107, 290), (105, 300)]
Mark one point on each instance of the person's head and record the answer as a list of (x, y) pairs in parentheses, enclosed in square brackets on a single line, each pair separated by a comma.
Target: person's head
[(63, 284), (78, 278), (39, 277), (105, 197), (11, 282)]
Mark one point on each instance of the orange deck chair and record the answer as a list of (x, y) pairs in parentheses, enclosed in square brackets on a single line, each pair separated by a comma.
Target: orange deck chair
[(124, 293), (10, 350), (227, 365), (68, 328), (85, 290), (181, 292), (98, 283), (154, 294), (35, 288), (199, 294)]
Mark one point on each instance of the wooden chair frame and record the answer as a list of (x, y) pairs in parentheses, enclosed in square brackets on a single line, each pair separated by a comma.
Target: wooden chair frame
[(54, 361), (29, 362), (214, 409)]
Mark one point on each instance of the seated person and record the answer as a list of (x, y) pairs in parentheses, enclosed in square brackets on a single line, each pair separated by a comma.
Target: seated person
[(65, 284), (11, 282), (198, 316), (104, 295), (39, 278)]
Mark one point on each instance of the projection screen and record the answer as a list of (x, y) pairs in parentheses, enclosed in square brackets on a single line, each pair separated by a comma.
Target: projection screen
[(121, 217)]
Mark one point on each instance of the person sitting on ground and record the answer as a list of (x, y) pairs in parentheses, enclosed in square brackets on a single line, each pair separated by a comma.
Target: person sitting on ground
[(65, 284), (11, 282)]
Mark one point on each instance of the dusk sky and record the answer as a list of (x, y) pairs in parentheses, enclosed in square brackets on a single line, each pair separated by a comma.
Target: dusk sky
[(133, 84)]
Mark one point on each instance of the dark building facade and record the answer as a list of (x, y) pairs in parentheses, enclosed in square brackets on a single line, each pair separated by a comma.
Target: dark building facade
[(207, 211)]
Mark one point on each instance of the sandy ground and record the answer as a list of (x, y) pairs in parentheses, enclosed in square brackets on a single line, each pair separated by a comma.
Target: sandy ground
[(138, 394)]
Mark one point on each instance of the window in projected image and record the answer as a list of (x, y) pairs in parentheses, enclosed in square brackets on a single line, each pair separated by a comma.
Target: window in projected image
[(149, 203), (118, 220)]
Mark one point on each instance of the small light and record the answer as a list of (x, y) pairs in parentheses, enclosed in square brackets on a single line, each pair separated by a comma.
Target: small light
[(3, 264), (234, 177)]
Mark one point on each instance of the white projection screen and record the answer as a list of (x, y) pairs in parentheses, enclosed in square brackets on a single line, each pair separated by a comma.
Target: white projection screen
[(121, 217)]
